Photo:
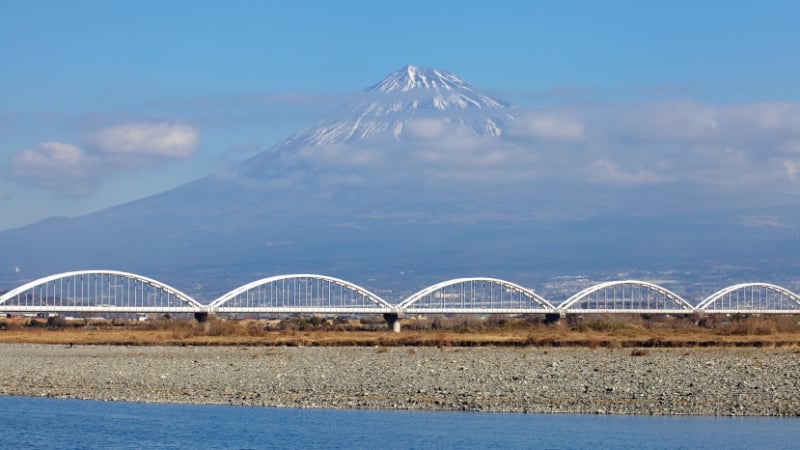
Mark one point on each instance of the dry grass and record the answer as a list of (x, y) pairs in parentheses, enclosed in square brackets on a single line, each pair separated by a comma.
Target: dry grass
[(633, 331)]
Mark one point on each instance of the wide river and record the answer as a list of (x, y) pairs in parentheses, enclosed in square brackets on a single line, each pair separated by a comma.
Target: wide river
[(27, 422)]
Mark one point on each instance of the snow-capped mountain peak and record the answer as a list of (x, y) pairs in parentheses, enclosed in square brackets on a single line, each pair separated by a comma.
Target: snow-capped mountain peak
[(431, 87), (412, 77), (403, 96)]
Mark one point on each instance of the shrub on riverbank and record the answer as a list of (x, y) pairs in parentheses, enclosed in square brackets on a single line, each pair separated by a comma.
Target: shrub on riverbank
[(590, 330)]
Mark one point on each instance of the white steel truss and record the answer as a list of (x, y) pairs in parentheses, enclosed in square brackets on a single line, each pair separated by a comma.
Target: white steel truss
[(626, 296), (123, 292), (98, 291), (750, 297), (476, 295), (301, 293)]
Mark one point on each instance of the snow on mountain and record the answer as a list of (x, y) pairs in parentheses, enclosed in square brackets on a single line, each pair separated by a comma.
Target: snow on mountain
[(411, 93), (449, 91), (411, 77)]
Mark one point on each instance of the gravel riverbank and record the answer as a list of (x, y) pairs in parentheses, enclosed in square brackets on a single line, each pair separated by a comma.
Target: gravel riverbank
[(536, 380)]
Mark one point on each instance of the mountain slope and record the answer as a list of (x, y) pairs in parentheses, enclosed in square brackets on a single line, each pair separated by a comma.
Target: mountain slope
[(404, 180)]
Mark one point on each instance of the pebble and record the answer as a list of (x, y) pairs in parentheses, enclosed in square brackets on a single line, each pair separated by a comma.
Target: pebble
[(762, 382)]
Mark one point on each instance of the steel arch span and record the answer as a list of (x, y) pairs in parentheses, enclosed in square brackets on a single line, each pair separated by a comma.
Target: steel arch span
[(627, 296), (762, 298), (479, 295), (301, 293), (98, 291)]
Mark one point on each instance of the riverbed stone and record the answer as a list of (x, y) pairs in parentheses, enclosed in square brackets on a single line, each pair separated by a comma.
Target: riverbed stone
[(725, 381)]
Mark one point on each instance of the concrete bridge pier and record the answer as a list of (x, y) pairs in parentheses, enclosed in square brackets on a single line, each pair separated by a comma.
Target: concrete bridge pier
[(392, 321), (201, 316), (553, 318)]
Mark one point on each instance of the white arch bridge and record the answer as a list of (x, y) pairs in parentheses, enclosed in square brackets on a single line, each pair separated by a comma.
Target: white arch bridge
[(115, 292)]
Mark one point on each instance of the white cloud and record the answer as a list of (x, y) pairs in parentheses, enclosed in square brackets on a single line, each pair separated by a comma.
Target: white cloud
[(64, 168), (547, 126), (762, 221), (751, 147), (74, 171), (672, 121), (164, 140), (744, 148), (342, 155), (791, 168), (776, 117), (426, 128), (49, 155), (606, 171)]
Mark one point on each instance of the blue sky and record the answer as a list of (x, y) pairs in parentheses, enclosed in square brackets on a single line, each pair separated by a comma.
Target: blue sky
[(171, 91)]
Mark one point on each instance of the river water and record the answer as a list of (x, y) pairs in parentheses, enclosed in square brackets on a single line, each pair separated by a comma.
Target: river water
[(27, 422)]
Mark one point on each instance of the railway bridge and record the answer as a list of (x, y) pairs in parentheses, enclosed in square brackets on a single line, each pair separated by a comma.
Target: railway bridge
[(116, 292)]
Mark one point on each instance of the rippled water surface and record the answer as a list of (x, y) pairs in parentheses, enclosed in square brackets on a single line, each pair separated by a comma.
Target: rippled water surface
[(49, 423)]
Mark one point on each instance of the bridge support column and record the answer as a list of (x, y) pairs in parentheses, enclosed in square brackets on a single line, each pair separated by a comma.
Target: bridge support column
[(553, 318), (392, 321), (201, 316)]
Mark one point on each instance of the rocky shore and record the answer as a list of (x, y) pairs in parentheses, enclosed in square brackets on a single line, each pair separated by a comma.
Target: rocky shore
[(535, 380)]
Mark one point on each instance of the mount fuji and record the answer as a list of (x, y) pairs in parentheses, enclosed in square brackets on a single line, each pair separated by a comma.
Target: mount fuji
[(409, 105), (421, 174), (409, 93)]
